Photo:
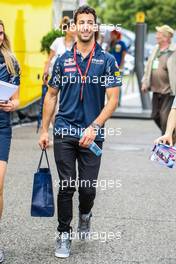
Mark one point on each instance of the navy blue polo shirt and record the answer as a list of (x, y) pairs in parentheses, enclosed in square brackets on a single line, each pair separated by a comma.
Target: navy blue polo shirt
[(74, 114)]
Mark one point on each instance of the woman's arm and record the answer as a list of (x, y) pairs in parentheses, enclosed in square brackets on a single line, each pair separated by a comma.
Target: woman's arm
[(15, 100)]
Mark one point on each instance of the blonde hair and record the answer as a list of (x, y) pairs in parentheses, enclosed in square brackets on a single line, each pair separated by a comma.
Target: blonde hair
[(5, 49)]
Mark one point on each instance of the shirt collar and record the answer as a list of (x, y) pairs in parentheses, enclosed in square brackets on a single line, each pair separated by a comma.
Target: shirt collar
[(172, 47), (98, 49)]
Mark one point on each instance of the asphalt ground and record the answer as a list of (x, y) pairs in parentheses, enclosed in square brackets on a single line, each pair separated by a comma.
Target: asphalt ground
[(134, 219)]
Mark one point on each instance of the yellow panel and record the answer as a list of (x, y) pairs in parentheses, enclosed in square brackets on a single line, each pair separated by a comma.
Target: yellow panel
[(26, 24)]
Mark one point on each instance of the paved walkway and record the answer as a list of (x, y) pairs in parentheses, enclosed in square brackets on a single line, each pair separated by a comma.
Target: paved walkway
[(140, 211)]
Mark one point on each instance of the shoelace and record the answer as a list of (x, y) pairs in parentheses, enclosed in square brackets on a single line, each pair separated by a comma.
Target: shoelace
[(63, 241)]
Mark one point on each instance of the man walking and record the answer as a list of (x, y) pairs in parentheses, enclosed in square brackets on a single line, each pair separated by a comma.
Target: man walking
[(160, 77), (83, 75)]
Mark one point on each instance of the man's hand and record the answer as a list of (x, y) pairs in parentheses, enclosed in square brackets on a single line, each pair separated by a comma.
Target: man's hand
[(44, 140), (88, 137), (165, 139), (144, 88)]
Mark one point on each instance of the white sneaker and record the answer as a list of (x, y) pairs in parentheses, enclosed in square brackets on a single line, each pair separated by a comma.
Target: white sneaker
[(63, 245)]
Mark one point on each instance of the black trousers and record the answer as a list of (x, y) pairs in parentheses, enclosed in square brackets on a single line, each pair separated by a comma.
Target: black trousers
[(67, 151), (161, 106)]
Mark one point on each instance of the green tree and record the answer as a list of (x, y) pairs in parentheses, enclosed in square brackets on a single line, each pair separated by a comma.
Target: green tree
[(157, 12), (48, 39)]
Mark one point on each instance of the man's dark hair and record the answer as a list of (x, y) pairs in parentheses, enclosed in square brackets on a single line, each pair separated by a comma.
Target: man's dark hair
[(85, 9)]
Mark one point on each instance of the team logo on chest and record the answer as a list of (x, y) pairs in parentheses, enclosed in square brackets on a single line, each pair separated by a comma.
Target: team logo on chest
[(96, 61), (70, 69), (69, 62)]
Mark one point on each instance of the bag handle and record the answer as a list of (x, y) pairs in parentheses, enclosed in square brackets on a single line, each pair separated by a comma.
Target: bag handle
[(46, 155)]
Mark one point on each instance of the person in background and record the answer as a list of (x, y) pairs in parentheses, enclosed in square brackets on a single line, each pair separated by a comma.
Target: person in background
[(59, 46), (9, 72), (169, 136), (160, 77), (118, 49)]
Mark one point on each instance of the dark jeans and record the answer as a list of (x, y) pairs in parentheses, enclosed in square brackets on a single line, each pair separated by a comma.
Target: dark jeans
[(161, 106), (67, 151)]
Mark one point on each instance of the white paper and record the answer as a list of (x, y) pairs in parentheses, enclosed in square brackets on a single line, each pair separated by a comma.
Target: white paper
[(7, 90)]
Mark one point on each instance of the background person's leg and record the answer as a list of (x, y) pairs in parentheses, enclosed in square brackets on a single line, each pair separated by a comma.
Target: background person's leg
[(5, 142), (3, 167), (156, 109)]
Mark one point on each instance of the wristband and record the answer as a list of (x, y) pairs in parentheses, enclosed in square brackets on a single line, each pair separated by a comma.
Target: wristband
[(95, 126)]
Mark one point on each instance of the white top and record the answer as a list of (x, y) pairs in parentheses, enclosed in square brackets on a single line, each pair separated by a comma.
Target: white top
[(59, 47)]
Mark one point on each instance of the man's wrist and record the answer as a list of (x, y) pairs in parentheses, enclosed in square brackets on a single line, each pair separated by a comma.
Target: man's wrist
[(168, 134), (95, 125), (44, 130)]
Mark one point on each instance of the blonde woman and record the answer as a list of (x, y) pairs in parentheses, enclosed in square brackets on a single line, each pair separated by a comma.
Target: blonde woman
[(9, 72)]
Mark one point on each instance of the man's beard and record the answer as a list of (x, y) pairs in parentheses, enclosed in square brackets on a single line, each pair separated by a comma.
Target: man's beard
[(85, 40)]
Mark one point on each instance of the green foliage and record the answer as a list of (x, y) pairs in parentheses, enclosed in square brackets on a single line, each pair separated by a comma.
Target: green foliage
[(157, 12), (48, 39)]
